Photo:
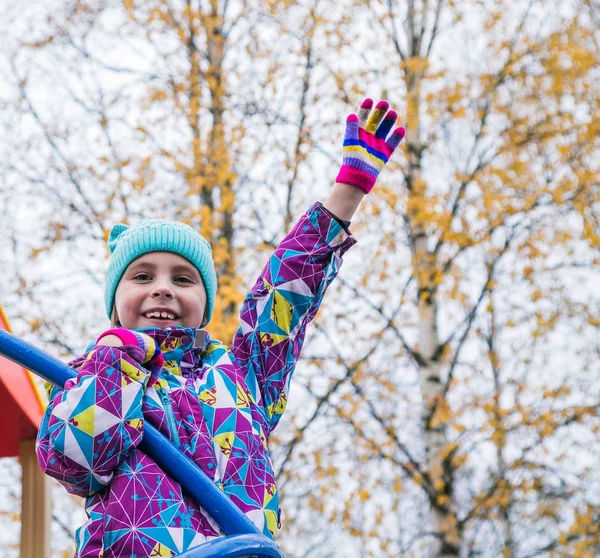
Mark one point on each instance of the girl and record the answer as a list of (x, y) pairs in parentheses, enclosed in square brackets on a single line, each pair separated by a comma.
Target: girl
[(217, 404)]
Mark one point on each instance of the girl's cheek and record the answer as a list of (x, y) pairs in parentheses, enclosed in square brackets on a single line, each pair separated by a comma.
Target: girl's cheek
[(129, 305), (126, 302)]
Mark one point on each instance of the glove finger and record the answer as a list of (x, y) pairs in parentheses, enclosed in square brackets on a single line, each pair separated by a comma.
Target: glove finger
[(376, 117), (152, 348), (396, 137), (384, 128), (363, 112), (351, 135)]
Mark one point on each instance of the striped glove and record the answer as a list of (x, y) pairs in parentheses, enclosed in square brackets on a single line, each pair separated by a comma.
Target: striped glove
[(366, 150), (146, 349)]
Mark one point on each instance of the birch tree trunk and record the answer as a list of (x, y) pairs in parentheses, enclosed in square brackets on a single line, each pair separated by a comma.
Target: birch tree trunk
[(435, 409), (443, 521)]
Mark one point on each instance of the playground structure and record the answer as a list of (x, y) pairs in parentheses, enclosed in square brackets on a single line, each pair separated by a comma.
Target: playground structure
[(242, 540), (21, 410)]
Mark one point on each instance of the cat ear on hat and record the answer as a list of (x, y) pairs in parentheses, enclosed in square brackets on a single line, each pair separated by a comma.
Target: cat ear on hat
[(113, 237)]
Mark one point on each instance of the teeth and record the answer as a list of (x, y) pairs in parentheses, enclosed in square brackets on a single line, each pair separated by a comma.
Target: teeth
[(165, 315)]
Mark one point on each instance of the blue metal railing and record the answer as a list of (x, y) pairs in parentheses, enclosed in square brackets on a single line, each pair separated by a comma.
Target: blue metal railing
[(243, 537)]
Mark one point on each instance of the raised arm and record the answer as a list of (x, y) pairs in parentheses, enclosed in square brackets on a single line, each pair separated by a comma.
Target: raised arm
[(284, 299), (290, 289)]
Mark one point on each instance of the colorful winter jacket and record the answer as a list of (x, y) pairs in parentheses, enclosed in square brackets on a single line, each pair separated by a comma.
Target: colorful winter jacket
[(217, 405)]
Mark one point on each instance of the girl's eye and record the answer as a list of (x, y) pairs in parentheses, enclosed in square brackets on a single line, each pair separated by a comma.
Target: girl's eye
[(142, 277), (183, 279)]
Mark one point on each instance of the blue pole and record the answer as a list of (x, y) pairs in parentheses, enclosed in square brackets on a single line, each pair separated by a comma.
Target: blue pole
[(179, 467), (236, 546)]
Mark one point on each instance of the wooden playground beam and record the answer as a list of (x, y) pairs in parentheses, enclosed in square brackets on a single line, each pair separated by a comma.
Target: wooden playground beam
[(36, 508), (21, 410)]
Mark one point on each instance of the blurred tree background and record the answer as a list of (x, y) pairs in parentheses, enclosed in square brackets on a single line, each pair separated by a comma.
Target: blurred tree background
[(447, 400)]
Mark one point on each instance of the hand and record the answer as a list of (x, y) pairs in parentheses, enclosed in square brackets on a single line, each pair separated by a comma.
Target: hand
[(149, 351), (366, 150)]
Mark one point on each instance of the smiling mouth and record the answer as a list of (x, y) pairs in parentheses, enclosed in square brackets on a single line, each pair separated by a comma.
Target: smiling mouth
[(159, 315)]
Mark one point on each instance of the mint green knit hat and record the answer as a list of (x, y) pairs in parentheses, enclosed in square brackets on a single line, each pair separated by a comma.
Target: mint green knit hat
[(154, 235)]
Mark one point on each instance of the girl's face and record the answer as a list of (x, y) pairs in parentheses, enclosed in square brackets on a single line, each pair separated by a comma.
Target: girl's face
[(160, 289)]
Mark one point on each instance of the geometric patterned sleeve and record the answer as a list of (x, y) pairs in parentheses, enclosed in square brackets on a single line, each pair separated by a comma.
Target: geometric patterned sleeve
[(283, 301), (92, 424)]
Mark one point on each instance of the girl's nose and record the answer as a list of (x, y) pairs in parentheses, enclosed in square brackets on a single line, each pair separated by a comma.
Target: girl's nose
[(161, 291)]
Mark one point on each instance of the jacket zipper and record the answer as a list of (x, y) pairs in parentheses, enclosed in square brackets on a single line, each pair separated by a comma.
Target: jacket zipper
[(166, 401)]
